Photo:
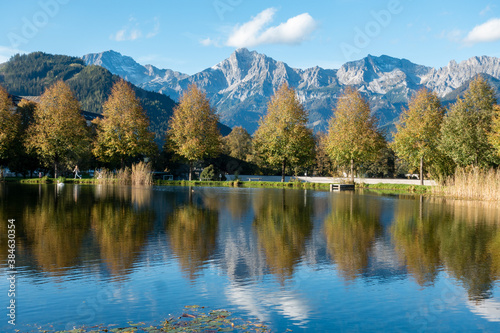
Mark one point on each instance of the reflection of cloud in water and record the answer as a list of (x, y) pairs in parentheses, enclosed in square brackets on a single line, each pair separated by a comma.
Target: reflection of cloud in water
[(257, 301), (488, 309)]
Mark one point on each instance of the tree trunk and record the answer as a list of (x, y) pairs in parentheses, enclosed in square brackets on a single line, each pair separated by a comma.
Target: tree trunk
[(283, 166), (190, 170), (422, 170), (352, 171), (55, 170)]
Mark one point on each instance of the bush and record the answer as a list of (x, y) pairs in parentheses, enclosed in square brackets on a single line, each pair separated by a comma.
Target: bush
[(208, 173)]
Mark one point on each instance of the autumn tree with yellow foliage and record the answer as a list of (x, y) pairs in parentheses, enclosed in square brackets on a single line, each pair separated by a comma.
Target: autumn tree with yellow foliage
[(417, 134), (353, 136), (123, 132), (193, 131), (59, 134), (282, 137)]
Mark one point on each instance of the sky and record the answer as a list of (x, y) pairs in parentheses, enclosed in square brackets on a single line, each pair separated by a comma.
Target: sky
[(192, 35)]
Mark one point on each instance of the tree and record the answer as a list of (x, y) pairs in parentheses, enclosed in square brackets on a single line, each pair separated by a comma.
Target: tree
[(282, 137), (464, 133), (10, 123), (352, 134), (59, 134), (123, 132), (417, 133), (193, 130), (20, 159), (238, 144), (494, 136)]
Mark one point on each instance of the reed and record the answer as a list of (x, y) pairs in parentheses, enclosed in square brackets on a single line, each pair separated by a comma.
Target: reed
[(472, 184), (141, 174), (104, 176)]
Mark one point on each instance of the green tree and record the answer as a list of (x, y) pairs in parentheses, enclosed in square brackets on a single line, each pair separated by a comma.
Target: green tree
[(123, 132), (10, 123), (20, 159), (282, 137), (193, 130), (464, 133), (494, 136), (417, 133), (352, 134), (59, 134), (238, 144)]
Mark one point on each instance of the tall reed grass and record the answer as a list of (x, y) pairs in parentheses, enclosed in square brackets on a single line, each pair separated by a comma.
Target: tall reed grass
[(473, 184), (139, 174)]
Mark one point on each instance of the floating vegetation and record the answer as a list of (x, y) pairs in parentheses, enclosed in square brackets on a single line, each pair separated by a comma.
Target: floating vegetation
[(194, 318)]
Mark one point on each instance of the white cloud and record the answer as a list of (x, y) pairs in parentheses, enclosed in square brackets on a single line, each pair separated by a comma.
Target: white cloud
[(486, 32), (255, 32), (209, 42), (455, 35), (133, 30)]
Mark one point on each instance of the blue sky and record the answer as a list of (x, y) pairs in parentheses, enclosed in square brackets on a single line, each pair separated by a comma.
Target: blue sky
[(189, 36)]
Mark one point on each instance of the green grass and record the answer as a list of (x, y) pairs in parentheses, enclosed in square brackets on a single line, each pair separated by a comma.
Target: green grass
[(397, 187)]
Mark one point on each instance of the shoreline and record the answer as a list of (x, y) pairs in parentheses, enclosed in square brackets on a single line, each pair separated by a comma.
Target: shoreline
[(395, 188)]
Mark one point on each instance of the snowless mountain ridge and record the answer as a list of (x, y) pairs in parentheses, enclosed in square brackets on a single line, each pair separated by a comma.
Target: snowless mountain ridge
[(241, 85)]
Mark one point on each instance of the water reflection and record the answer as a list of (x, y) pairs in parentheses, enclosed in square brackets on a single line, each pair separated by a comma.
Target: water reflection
[(283, 224), (462, 238), (55, 228), (416, 239), (350, 232), (121, 232), (192, 235), (269, 253)]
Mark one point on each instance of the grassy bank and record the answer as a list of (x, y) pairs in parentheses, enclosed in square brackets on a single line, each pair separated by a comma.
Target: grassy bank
[(421, 189), (247, 184)]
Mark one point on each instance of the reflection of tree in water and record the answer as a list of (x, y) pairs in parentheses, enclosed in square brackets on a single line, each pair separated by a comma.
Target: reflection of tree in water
[(465, 248), (192, 232), (237, 204), (283, 224), (55, 228), (414, 232), (121, 232), (462, 236), (351, 230)]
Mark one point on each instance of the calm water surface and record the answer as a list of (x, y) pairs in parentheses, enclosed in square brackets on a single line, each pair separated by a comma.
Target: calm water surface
[(294, 259)]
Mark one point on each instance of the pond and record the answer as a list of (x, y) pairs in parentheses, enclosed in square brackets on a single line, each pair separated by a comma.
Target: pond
[(293, 259)]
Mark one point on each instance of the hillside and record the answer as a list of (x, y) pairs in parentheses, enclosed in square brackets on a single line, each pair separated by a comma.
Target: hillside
[(31, 74)]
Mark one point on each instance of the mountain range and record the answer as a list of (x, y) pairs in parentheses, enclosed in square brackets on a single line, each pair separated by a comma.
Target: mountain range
[(240, 86)]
